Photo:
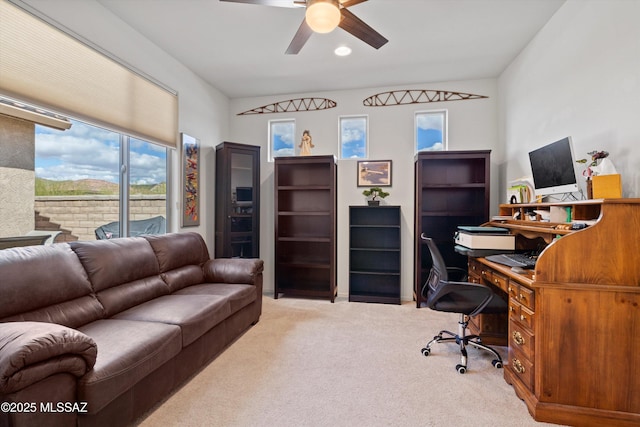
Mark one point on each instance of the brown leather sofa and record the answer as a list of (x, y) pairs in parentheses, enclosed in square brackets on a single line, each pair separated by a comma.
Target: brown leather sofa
[(97, 333)]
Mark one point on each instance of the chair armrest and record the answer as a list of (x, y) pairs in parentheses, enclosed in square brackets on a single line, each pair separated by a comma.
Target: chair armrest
[(233, 270), (32, 351)]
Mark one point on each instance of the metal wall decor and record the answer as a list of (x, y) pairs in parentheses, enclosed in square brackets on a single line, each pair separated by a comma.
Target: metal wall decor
[(291, 105), (416, 96)]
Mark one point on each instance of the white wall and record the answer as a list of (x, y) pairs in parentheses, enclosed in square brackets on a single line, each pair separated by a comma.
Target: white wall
[(472, 125), (580, 76), (203, 110)]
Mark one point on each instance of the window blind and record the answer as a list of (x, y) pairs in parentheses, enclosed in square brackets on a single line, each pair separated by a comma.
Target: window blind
[(42, 65)]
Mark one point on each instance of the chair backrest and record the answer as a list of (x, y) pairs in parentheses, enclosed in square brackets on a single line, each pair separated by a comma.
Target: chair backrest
[(438, 271), (455, 296)]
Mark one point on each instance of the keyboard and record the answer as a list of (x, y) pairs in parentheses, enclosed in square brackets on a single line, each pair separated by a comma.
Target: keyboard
[(514, 260)]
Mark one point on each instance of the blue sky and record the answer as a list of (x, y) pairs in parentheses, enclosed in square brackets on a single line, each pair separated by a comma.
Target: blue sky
[(353, 136), (430, 131), (282, 137), (85, 151)]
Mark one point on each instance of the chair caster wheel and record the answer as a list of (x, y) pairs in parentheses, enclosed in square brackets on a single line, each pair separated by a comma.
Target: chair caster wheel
[(497, 363), (461, 369), (426, 351)]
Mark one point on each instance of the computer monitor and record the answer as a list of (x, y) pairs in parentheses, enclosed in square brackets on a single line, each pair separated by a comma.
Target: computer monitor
[(244, 195), (553, 168)]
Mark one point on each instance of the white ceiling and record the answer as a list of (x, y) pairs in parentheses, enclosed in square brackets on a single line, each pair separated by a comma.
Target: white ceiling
[(239, 48)]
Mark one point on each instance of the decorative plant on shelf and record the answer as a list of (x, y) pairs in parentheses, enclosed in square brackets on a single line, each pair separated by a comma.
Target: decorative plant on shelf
[(373, 193)]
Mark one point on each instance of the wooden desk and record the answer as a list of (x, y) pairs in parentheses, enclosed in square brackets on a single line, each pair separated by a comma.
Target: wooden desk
[(574, 322)]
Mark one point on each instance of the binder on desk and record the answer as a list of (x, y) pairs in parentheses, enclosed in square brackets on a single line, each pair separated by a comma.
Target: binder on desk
[(485, 238)]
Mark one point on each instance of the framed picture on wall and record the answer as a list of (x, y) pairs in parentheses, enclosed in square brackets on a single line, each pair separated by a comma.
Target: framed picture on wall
[(374, 173), (190, 148)]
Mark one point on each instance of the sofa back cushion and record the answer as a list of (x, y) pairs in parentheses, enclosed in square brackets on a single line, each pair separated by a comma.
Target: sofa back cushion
[(123, 272), (180, 257), (46, 284)]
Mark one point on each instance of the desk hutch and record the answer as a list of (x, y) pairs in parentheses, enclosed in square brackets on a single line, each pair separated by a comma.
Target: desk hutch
[(574, 321)]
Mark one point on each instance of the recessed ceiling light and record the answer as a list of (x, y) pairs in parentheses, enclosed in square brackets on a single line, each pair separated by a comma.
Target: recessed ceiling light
[(342, 51)]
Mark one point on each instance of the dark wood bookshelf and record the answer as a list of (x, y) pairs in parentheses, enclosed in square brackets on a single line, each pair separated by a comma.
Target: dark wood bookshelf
[(451, 189), (305, 226)]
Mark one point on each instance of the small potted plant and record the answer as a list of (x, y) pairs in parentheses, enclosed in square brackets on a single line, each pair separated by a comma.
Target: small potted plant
[(373, 194)]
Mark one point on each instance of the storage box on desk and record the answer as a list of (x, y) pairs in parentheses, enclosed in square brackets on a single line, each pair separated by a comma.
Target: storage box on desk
[(606, 186), (485, 238)]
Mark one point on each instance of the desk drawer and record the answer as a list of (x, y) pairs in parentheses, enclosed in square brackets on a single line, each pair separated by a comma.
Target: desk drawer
[(474, 267), (526, 297), (521, 367), (521, 314), (484, 272), (522, 294), (474, 278), (500, 281), (521, 339)]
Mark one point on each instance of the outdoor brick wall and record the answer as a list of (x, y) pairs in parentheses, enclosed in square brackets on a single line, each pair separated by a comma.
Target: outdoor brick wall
[(83, 214)]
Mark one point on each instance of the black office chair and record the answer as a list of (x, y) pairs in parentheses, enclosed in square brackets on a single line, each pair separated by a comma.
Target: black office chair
[(468, 299)]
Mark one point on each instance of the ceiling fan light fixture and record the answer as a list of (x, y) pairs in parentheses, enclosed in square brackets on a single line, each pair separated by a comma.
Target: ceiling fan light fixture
[(322, 16)]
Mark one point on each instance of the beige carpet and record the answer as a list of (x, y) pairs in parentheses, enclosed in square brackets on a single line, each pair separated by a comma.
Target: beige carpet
[(313, 363)]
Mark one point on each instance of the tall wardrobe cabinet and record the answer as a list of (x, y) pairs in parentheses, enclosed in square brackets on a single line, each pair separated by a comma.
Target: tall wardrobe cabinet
[(237, 201)]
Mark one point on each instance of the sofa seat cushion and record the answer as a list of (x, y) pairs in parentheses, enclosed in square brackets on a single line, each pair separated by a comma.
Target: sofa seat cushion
[(239, 295), (127, 352), (195, 314)]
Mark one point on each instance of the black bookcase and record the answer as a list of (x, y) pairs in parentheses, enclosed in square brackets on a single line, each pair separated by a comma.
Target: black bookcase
[(451, 189), (305, 226), (374, 254)]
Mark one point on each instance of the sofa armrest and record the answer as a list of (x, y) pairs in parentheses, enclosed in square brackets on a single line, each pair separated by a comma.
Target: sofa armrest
[(234, 270), (32, 351)]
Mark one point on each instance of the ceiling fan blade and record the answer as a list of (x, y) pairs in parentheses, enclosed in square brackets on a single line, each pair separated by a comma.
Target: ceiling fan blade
[(301, 37), (276, 3), (354, 25), (349, 3)]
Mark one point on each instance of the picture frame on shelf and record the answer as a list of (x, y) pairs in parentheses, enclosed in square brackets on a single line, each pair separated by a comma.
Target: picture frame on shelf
[(190, 158), (374, 173)]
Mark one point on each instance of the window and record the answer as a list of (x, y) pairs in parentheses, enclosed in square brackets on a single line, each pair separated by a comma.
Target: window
[(431, 130), (96, 183), (281, 138), (353, 137)]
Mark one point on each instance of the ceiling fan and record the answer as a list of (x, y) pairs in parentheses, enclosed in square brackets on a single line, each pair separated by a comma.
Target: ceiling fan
[(322, 16)]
